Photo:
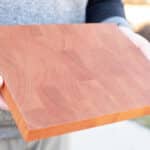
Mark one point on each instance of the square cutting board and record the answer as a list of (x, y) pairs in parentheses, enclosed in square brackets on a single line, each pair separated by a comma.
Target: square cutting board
[(63, 78)]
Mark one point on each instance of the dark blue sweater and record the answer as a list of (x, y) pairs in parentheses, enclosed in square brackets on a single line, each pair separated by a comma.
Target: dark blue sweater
[(99, 10)]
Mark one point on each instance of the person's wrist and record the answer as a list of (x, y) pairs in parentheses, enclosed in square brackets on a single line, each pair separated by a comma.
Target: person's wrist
[(120, 21)]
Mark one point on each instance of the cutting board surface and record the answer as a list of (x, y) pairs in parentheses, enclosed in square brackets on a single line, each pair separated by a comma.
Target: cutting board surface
[(62, 78)]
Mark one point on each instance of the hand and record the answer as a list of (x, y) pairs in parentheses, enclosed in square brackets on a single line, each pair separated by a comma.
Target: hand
[(138, 40), (3, 105)]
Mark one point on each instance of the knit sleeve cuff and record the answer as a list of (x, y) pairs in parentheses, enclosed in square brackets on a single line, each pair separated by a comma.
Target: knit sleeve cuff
[(120, 21)]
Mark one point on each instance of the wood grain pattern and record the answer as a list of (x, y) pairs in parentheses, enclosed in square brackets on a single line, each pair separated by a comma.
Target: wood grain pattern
[(62, 78)]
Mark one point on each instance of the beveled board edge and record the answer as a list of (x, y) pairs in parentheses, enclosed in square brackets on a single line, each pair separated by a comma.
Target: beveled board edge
[(30, 135)]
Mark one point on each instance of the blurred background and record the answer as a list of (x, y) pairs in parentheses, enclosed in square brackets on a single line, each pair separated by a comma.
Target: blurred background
[(138, 15), (126, 135)]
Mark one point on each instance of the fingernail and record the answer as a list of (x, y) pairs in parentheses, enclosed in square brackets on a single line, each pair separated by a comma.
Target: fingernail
[(1, 81)]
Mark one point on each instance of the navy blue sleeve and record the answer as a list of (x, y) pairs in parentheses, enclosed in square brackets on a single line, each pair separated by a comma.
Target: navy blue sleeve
[(99, 10)]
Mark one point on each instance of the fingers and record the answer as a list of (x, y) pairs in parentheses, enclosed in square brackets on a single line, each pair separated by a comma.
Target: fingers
[(138, 40), (3, 105)]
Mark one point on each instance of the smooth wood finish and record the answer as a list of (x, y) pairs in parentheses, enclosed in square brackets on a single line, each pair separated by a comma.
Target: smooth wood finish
[(62, 78)]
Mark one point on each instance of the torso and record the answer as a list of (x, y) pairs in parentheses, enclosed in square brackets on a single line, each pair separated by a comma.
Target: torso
[(45, 11), (14, 12)]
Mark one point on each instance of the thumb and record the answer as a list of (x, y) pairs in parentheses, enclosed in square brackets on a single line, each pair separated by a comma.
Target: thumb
[(138, 40), (1, 82), (3, 105)]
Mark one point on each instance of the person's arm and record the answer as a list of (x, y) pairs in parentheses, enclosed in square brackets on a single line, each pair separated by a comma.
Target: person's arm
[(110, 11)]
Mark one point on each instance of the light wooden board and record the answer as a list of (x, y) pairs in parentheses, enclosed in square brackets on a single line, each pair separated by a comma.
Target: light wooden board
[(63, 78)]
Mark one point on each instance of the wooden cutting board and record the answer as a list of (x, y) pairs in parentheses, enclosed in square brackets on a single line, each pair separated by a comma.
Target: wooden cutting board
[(62, 78)]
